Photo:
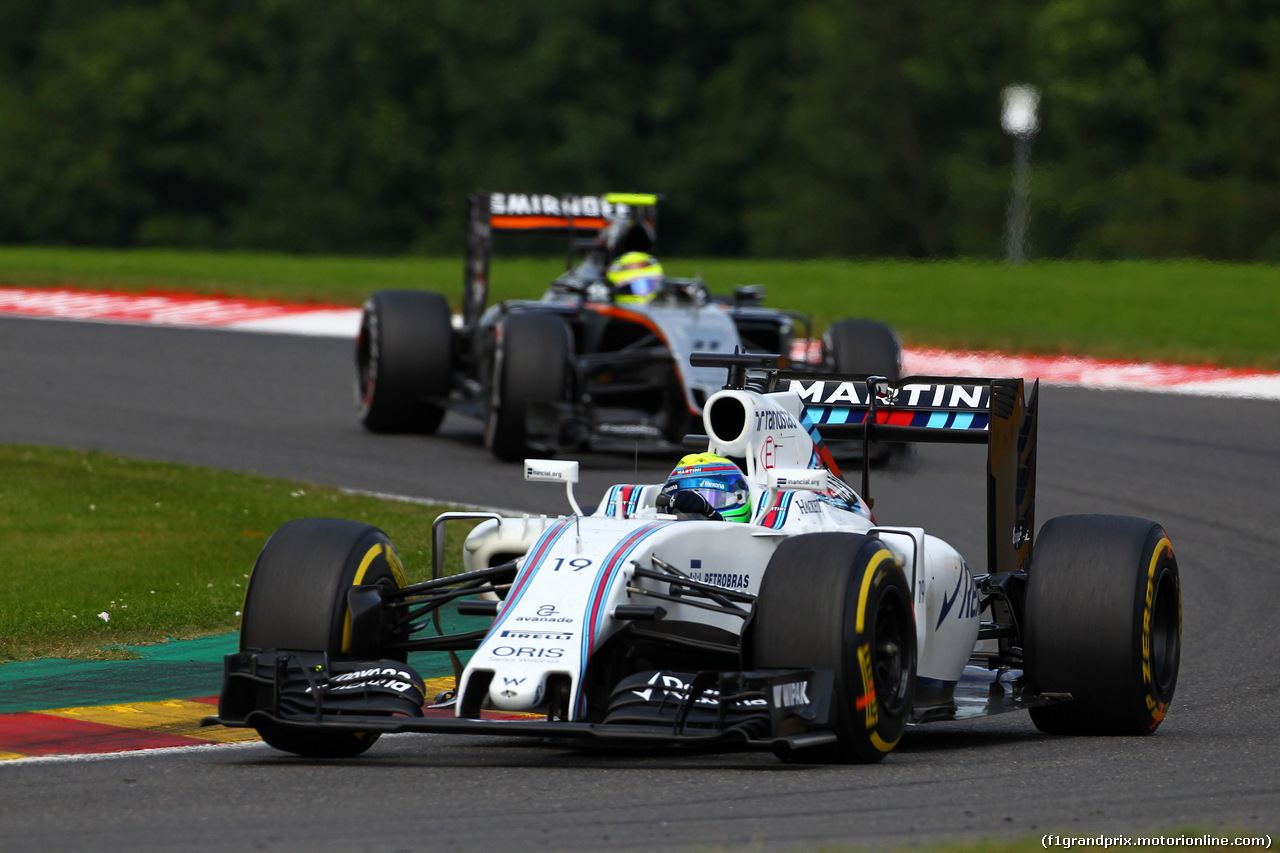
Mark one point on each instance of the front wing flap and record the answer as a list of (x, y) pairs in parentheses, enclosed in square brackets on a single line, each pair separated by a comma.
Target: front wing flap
[(308, 686), (765, 709)]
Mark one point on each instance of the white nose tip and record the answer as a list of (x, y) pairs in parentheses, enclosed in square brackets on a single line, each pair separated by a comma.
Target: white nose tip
[(515, 691)]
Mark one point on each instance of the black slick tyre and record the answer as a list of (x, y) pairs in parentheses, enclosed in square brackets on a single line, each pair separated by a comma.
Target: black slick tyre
[(1104, 623), (863, 347), (404, 356), (840, 601), (531, 367), (297, 600)]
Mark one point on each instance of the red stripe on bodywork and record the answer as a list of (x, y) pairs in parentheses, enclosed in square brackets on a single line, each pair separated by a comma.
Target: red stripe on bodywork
[(534, 222)]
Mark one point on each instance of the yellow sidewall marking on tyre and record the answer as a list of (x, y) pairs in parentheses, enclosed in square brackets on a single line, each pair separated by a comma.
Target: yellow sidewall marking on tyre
[(883, 745), (879, 558), (1156, 707), (365, 563), (872, 708), (369, 557)]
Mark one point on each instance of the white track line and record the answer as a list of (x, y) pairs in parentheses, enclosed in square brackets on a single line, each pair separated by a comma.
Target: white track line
[(145, 752), (250, 315)]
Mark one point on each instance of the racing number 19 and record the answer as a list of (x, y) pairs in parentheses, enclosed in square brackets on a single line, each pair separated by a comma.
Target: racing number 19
[(577, 563)]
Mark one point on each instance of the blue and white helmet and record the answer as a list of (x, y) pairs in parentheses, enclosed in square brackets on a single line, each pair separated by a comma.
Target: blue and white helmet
[(720, 482)]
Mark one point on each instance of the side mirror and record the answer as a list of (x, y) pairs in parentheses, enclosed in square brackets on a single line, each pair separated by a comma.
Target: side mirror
[(554, 471)]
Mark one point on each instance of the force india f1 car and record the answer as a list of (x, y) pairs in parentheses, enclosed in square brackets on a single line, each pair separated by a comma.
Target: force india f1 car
[(811, 631), (577, 367)]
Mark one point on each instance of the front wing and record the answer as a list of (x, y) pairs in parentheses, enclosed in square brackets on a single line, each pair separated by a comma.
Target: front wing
[(778, 710)]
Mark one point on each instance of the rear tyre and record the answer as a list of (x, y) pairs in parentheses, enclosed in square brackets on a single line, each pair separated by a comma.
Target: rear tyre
[(531, 367), (404, 359), (297, 599), (865, 347), (840, 601), (1103, 623)]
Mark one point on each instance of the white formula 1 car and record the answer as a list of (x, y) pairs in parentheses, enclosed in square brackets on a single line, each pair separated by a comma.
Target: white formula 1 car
[(811, 630)]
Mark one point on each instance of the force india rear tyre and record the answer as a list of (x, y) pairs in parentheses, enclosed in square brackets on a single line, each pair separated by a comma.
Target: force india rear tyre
[(1103, 623), (530, 368), (297, 599), (840, 601), (404, 358)]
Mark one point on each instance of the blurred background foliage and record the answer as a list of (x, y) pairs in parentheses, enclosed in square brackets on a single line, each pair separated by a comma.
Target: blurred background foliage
[(821, 128)]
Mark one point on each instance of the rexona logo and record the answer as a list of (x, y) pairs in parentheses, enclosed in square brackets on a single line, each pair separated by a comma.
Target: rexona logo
[(537, 635), (521, 204), (827, 392), (792, 695)]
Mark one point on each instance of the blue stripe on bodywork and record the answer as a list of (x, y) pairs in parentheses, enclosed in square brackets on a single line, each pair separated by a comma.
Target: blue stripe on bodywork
[(604, 581), (538, 554)]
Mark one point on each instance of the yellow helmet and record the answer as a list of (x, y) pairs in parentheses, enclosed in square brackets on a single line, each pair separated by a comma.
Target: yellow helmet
[(636, 277)]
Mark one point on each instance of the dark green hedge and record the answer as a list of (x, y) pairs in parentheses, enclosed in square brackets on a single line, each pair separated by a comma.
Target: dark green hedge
[(828, 127)]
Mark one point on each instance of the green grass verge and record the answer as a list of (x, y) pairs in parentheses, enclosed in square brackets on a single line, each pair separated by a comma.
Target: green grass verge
[(1193, 312), (164, 550)]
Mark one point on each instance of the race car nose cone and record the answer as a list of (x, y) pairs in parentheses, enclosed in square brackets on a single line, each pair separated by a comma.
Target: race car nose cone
[(515, 690)]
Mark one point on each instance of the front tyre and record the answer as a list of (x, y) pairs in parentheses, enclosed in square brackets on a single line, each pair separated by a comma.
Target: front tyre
[(404, 359), (840, 601), (865, 347), (531, 367), (297, 600), (1103, 623)]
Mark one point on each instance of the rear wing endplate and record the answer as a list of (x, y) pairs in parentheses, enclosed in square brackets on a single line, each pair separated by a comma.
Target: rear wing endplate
[(965, 410), (531, 213)]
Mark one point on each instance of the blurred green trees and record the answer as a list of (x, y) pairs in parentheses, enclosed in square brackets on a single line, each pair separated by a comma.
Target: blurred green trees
[(827, 127)]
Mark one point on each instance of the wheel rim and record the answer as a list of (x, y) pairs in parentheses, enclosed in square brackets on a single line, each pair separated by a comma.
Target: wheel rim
[(364, 363), (893, 643), (1165, 620)]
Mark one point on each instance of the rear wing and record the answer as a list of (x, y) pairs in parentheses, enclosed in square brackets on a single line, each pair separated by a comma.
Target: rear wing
[(964, 410), (618, 220)]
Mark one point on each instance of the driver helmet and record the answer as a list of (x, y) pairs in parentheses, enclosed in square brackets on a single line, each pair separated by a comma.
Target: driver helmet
[(716, 479), (636, 277)]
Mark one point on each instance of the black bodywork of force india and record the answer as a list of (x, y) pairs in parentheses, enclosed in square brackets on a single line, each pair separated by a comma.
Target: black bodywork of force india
[(575, 369), (833, 639)]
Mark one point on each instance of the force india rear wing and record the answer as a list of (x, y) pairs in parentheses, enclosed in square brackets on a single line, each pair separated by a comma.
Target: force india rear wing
[(529, 212), (962, 410)]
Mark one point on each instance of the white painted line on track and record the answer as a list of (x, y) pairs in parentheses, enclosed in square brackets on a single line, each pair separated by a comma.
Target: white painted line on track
[(146, 752), (250, 315)]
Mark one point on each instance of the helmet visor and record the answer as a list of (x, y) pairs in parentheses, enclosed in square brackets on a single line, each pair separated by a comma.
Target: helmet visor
[(640, 286), (719, 497)]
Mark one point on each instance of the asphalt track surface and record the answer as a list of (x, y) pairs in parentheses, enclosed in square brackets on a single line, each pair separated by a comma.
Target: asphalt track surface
[(1205, 468)]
